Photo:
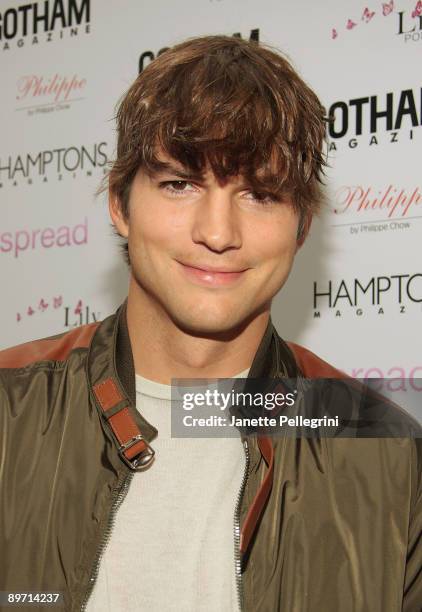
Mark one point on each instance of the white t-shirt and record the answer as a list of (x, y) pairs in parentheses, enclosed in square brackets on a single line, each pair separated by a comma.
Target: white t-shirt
[(172, 544)]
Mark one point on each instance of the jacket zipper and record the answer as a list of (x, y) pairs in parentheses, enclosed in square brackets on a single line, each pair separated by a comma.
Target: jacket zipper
[(118, 497), (237, 559), (121, 492)]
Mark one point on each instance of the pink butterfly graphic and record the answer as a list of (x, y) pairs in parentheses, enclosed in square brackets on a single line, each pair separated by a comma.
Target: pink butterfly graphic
[(78, 308), (350, 24), (30, 312), (18, 317), (334, 33), (57, 301), (367, 15), (387, 8), (417, 10), (42, 305)]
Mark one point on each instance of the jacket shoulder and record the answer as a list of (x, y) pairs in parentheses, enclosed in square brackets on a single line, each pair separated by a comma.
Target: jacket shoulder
[(313, 366), (52, 348), (376, 405)]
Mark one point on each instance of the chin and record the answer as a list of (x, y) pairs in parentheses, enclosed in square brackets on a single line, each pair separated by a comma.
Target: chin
[(205, 323)]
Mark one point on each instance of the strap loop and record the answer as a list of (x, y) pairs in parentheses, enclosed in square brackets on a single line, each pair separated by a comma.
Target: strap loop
[(133, 448)]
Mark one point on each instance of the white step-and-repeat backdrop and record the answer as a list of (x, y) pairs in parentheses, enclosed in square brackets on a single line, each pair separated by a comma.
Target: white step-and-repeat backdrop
[(355, 293)]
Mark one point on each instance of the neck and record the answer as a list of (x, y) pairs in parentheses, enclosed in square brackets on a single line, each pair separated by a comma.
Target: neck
[(162, 350)]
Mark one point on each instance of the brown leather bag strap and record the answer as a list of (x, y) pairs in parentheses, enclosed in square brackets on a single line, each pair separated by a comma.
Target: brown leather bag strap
[(133, 448)]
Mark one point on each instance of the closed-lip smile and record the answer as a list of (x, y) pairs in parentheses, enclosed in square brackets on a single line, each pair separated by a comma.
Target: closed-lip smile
[(211, 275), (213, 269)]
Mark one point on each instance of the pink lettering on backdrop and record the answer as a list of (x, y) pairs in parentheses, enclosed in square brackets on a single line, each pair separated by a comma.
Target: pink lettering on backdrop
[(394, 201), (387, 8), (417, 11), (367, 15), (396, 378), (57, 88)]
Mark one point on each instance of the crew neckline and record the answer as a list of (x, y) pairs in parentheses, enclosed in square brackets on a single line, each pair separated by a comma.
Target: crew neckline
[(145, 386)]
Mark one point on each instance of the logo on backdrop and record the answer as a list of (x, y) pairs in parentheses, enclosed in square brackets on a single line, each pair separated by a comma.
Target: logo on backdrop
[(365, 209), (38, 94), (374, 120), (43, 22), (147, 56), (72, 315), (53, 165), (408, 23), (398, 293), (398, 373), (23, 242)]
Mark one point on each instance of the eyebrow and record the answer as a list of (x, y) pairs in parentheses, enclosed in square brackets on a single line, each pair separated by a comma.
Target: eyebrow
[(167, 167), (187, 175)]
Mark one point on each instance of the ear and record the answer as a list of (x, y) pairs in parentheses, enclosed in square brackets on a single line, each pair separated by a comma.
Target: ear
[(117, 216), (306, 227)]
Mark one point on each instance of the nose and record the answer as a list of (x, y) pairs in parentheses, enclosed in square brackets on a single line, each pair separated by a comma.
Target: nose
[(216, 221)]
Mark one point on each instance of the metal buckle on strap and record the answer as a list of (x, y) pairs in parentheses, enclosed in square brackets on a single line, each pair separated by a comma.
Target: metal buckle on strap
[(142, 459)]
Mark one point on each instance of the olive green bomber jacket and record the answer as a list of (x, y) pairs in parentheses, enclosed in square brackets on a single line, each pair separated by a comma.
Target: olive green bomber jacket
[(322, 525)]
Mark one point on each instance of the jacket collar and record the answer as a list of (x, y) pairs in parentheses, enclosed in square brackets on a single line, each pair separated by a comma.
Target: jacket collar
[(111, 376), (273, 357), (110, 359)]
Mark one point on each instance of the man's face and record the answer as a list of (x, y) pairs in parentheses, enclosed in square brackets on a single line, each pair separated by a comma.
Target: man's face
[(210, 256)]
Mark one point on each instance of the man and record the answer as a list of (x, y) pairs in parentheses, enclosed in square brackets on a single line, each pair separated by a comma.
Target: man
[(217, 176)]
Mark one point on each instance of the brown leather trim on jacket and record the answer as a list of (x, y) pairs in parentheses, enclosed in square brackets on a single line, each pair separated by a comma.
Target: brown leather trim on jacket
[(273, 358), (313, 366), (265, 445), (293, 361), (54, 348)]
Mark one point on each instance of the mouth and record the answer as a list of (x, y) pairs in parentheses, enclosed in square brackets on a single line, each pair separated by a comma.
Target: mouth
[(212, 276)]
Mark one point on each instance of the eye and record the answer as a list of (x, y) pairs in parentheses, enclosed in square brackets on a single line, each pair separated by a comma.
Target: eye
[(176, 187), (261, 197)]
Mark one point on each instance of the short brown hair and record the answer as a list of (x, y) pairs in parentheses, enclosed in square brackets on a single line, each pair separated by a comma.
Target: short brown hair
[(233, 104)]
